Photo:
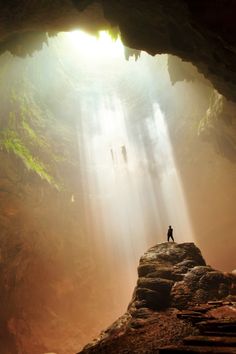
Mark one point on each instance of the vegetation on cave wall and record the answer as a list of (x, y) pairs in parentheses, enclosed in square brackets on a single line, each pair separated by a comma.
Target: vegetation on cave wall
[(26, 124), (39, 227)]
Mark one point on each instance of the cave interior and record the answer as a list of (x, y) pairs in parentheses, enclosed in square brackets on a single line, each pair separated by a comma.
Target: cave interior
[(118, 118)]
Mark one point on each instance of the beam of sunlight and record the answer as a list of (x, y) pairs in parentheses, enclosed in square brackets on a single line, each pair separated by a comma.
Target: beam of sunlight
[(116, 214), (133, 188), (129, 209), (130, 186), (171, 186)]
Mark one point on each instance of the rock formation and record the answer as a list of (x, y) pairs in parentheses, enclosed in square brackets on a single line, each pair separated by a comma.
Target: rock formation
[(218, 125), (200, 32), (180, 70), (172, 278)]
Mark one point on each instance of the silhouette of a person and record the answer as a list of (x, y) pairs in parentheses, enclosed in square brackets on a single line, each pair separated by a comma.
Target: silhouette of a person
[(124, 153), (170, 234), (112, 155)]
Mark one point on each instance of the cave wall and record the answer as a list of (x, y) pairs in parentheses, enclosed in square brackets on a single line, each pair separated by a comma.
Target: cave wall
[(218, 123), (49, 272), (200, 32)]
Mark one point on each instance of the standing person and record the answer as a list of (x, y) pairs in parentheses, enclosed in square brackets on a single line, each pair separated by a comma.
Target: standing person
[(170, 234), (112, 155), (124, 153)]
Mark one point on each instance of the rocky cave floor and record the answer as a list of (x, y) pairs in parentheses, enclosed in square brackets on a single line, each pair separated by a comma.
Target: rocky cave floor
[(179, 305)]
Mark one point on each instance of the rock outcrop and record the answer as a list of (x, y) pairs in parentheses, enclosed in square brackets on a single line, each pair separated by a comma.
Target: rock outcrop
[(218, 126), (172, 279), (201, 32), (180, 70)]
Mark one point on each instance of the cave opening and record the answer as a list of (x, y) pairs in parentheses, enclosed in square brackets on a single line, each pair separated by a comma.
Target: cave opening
[(100, 154)]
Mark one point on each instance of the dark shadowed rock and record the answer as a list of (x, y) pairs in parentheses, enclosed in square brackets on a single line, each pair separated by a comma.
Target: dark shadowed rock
[(156, 284), (212, 280), (185, 265), (154, 300), (164, 273), (199, 285), (193, 277), (145, 269), (180, 295)]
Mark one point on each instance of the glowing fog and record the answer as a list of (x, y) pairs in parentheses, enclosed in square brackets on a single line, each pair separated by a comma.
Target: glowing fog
[(131, 183)]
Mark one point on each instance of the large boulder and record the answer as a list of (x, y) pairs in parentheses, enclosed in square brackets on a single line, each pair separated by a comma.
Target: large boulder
[(172, 277)]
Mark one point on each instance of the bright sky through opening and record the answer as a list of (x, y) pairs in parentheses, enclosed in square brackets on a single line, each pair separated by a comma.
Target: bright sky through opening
[(102, 47)]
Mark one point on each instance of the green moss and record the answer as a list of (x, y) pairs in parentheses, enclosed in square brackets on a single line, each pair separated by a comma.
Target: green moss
[(29, 128), (23, 136), (12, 143)]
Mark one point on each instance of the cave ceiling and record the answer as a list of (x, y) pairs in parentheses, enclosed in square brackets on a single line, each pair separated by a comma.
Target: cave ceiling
[(201, 32)]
